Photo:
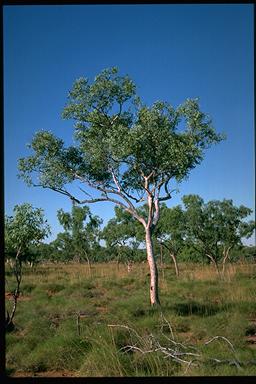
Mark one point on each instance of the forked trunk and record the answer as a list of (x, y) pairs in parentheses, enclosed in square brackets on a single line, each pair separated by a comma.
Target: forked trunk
[(225, 258), (88, 262), (215, 263), (175, 263), (154, 299)]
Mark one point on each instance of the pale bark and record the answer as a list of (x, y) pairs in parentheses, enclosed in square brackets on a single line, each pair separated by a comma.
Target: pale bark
[(10, 262), (214, 262), (88, 263), (225, 258), (16, 293), (129, 266), (175, 263), (154, 299), (174, 258)]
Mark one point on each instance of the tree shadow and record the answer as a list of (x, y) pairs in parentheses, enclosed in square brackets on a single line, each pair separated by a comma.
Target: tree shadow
[(9, 371), (198, 309)]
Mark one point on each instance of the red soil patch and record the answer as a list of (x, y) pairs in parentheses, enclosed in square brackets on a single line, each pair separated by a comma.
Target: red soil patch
[(9, 295), (102, 309), (251, 340)]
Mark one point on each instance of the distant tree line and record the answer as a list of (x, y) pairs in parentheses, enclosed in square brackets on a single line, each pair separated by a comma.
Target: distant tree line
[(198, 232)]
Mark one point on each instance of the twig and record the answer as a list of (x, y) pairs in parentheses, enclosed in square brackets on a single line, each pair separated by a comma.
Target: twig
[(223, 338), (169, 325), (133, 347), (126, 327), (189, 365)]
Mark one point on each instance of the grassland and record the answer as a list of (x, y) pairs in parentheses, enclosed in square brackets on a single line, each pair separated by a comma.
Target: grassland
[(50, 339)]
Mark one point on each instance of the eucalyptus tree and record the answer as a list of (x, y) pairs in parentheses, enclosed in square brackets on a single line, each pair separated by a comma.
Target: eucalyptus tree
[(81, 236), (126, 152), (27, 227), (216, 227)]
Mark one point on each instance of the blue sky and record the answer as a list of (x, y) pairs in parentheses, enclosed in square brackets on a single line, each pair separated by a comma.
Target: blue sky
[(172, 52)]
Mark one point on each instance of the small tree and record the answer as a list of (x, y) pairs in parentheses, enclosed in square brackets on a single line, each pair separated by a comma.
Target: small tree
[(120, 234), (82, 230), (171, 232), (216, 227), (27, 227), (127, 152), (40, 253)]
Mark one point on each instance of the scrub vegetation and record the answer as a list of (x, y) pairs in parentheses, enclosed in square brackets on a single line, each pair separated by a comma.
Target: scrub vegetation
[(76, 320)]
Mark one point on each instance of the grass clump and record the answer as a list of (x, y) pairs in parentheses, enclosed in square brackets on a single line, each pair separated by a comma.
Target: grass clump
[(56, 353), (194, 308)]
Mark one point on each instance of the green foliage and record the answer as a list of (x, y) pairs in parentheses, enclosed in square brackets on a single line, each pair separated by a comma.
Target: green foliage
[(127, 151), (197, 310), (81, 237), (41, 252), (120, 235), (190, 254), (119, 140), (249, 253), (190, 234), (26, 228), (214, 228), (171, 232)]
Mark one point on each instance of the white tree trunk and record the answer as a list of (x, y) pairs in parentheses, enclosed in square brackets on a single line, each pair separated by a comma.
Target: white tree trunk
[(225, 258), (154, 299), (215, 263), (129, 266), (175, 263)]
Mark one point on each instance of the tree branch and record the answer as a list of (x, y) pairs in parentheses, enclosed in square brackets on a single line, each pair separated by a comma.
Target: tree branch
[(168, 193), (59, 190), (131, 209)]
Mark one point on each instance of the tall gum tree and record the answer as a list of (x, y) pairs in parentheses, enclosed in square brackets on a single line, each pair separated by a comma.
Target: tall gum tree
[(125, 151)]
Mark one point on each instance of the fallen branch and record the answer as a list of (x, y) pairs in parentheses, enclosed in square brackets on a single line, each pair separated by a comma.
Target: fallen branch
[(223, 338), (175, 351)]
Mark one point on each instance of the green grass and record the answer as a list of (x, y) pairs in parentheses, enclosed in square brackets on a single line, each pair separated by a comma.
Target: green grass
[(198, 306)]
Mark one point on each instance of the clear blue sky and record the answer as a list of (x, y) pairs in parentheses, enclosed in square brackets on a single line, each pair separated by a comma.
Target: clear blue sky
[(172, 52)]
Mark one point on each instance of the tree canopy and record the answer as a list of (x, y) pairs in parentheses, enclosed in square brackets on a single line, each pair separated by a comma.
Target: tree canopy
[(25, 228), (81, 236), (123, 148), (126, 151), (217, 226)]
